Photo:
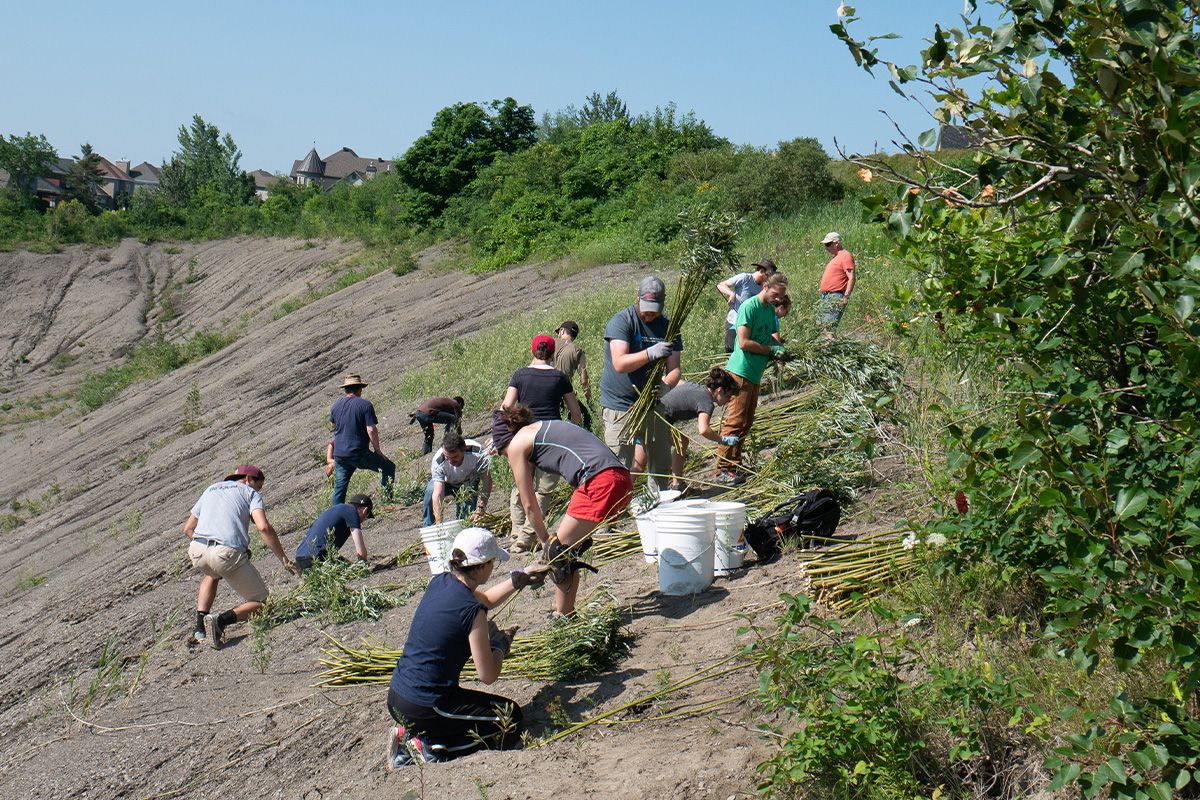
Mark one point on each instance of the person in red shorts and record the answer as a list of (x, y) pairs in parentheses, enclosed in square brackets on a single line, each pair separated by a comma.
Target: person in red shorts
[(603, 488)]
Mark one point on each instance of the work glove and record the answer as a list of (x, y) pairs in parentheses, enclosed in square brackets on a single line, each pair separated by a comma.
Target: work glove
[(501, 639), (658, 350), (778, 351), (731, 441), (533, 575)]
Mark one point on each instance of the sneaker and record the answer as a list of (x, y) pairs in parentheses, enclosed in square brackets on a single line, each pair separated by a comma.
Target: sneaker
[(198, 636), (214, 631), (729, 479), (420, 750), (560, 564), (397, 754)]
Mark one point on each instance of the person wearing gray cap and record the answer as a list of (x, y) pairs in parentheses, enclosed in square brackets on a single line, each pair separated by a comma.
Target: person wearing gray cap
[(356, 441), (219, 548), (635, 338), (837, 283), (739, 289)]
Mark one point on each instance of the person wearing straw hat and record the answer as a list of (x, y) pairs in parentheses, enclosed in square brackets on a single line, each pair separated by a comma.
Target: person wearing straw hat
[(436, 718), (692, 401), (342, 522), (219, 548), (837, 282), (356, 441), (740, 288), (603, 488)]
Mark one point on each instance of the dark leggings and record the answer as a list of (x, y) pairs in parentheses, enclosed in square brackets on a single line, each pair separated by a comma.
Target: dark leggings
[(428, 420), (463, 721)]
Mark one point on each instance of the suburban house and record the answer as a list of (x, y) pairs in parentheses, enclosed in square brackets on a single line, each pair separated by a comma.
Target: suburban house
[(145, 175), (262, 182), (115, 182), (343, 166)]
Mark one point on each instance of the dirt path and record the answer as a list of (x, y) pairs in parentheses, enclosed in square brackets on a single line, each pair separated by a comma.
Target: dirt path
[(114, 487)]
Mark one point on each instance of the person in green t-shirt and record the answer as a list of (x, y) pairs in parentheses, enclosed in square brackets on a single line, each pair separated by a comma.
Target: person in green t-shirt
[(756, 324)]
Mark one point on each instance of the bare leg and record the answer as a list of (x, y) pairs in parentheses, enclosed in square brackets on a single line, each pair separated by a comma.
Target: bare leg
[(678, 459), (247, 610), (570, 531), (564, 596), (639, 458), (206, 594)]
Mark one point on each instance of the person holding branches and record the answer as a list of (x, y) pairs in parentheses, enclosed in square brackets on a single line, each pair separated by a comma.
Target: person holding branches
[(692, 401), (603, 488), (436, 718)]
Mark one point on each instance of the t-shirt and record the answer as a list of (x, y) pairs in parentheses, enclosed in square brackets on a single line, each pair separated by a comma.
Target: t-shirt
[(541, 390), (474, 464), (835, 278), (350, 416), (569, 357), (619, 390), (340, 519), (224, 511), (438, 645), (686, 401), (434, 405), (760, 318), (570, 451), (744, 288)]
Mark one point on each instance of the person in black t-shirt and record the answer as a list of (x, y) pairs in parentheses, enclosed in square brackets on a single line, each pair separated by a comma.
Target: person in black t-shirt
[(543, 390)]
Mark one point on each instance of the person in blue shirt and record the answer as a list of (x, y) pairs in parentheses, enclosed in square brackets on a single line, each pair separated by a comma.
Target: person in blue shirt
[(356, 441), (740, 288), (344, 521), (436, 719)]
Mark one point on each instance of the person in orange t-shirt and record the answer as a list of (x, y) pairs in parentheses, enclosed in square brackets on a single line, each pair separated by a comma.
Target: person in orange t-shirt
[(836, 284)]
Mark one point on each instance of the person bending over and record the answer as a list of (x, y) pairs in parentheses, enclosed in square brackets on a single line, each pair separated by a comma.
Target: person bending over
[(459, 470), (691, 401), (437, 411), (344, 521)]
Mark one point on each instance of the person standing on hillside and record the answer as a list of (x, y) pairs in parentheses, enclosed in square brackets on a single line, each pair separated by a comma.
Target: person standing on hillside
[(543, 390), (635, 338), (356, 441), (570, 360), (343, 521), (837, 283), (437, 411), (739, 289), (460, 470), (756, 324), (219, 547)]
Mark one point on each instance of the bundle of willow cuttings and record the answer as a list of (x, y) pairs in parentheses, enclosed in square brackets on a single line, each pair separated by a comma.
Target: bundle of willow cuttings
[(327, 590), (710, 240), (847, 574), (861, 367), (578, 645)]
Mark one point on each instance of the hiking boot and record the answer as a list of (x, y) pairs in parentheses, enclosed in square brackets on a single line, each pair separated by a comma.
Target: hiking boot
[(729, 479), (561, 565), (214, 631), (397, 754)]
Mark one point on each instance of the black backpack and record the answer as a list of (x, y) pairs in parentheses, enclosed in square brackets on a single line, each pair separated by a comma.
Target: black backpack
[(814, 512)]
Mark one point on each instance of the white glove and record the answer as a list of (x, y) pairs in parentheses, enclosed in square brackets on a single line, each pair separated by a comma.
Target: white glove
[(658, 350)]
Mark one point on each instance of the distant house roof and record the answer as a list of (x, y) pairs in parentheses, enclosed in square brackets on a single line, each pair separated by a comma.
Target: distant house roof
[(263, 179), (146, 172), (339, 165), (310, 165), (112, 172)]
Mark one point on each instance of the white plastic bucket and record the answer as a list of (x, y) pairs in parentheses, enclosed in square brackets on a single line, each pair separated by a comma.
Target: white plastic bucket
[(645, 526), (684, 536), (730, 523), (437, 540)]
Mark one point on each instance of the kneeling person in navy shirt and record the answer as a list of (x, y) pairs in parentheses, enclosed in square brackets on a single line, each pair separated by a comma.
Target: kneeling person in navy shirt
[(344, 521)]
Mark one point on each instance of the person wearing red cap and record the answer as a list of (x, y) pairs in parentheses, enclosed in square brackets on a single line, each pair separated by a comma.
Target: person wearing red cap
[(543, 390), (219, 548)]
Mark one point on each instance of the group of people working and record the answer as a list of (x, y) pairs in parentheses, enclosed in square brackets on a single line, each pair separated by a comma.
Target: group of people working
[(435, 717)]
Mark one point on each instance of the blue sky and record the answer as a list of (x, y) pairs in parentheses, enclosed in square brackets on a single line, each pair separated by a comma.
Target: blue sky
[(283, 76)]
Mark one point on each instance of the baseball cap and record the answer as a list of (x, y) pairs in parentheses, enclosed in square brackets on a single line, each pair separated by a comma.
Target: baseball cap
[(363, 501), (831, 237), (479, 546), (570, 327), (246, 471), (537, 340), (766, 264), (651, 294)]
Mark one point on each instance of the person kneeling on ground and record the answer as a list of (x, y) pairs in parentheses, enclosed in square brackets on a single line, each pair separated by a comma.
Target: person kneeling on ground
[(437, 411), (692, 401), (461, 470), (344, 521), (220, 549), (436, 718), (603, 487)]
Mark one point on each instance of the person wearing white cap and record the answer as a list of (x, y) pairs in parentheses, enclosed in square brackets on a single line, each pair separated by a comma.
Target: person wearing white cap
[(836, 283), (436, 718)]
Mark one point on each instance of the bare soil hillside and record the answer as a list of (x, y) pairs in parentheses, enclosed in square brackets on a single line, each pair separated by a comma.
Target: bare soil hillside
[(94, 560)]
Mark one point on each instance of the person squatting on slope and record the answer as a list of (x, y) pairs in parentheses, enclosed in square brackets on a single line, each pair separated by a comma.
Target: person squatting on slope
[(344, 521), (220, 549), (756, 324), (740, 288), (437, 411), (543, 390), (460, 469), (356, 441), (436, 718), (691, 401), (603, 487), (635, 338)]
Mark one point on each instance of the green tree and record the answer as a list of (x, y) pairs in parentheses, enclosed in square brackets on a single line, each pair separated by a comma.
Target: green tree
[(25, 159), (610, 108), (205, 159), (1068, 256), (84, 177)]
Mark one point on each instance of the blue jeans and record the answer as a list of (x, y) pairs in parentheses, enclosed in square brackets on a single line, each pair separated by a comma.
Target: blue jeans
[(427, 421), (464, 506), (830, 308), (344, 468)]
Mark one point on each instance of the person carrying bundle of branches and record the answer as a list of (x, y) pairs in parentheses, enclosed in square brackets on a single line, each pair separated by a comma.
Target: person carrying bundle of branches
[(603, 487), (756, 325), (436, 719), (692, 401)]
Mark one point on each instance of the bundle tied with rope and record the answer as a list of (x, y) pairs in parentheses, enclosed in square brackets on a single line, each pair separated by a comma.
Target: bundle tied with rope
[(710, 240)]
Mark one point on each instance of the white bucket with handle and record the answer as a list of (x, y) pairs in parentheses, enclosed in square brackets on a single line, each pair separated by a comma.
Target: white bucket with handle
[(730, 523), (437, 540), (645, 522), (685, 538)]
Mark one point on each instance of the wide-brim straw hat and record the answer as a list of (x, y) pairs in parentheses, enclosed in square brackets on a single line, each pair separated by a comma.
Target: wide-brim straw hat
[(352, 380)]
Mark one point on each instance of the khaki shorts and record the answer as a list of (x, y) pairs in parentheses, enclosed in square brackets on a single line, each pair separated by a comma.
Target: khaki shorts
[(231, 564), (656, 438)]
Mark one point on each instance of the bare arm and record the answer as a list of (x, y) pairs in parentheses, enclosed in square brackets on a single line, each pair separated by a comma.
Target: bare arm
[(749, 345), (849, 285), (704, 427), (573, 407), (439, 493), (360, 544), (674, 370), (584, 380), (625, 361), (518, 459), (485, 491), (726, 290), (271, 539), (373, 435), (487, 661), (189, 527), (510, 398)]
